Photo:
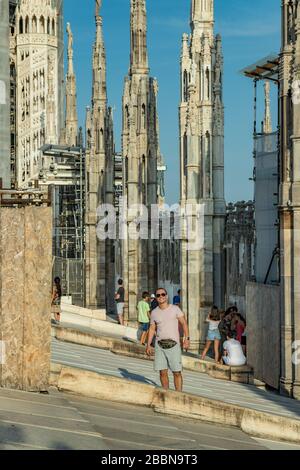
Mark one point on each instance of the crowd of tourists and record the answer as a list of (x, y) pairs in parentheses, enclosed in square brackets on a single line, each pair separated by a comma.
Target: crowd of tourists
[(227, 334), (226, 329), (165, 333)]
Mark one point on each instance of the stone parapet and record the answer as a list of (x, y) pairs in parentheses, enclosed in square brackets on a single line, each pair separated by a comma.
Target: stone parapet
[(79, 318), (257, 423), (243, 374)]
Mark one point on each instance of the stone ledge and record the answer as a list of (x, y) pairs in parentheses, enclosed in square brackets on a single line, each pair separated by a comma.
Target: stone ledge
[(122, 347), (95, 320), (71, 335), (68, 308), (55, 373), (104, 387), (242, 374)]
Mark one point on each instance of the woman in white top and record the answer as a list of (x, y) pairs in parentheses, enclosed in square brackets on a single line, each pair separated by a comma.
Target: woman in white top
[(233, 351), (213, 335)]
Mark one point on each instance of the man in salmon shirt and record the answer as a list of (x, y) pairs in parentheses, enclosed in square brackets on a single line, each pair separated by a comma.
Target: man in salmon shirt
[(164, 323)]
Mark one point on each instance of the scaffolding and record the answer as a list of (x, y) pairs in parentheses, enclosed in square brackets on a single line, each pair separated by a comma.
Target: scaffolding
[(266, 177), (63, 169)]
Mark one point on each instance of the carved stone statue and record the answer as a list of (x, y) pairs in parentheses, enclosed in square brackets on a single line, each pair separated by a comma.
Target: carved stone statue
[(193, 73), (70, 38), (98, 7)]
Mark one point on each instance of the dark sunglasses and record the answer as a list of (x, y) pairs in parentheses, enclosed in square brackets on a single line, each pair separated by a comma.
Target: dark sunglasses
[(161, 295)]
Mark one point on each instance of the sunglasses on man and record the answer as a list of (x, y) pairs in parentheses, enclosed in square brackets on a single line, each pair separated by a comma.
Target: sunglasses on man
[(161, 295)]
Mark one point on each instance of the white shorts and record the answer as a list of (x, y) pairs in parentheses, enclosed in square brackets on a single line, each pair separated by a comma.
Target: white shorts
[(120, 308), (228, 362)]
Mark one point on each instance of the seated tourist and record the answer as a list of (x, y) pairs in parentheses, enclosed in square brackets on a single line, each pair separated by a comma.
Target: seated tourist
[(233, 352)]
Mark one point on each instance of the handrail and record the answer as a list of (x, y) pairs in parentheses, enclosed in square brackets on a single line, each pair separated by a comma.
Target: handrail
[(17, 197)]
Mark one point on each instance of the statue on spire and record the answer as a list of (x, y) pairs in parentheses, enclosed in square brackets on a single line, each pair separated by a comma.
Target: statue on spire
[(98, 7), (267, 125), (70, 38)]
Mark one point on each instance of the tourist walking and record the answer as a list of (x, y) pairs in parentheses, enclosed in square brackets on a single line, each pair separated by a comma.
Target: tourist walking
[(154, 303), (168, 355), (144, 316), (56, 300), (177, 299), (213, 335), (120, 301)]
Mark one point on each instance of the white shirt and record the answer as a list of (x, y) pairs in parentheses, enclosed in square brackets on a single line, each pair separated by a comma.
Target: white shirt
[(213, 325), (235, 355)]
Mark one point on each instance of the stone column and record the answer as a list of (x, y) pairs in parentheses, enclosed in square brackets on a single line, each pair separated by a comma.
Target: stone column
[(140, 150), (96, 159), (289, 198), (133, 275), (296, 202), (202, 165), (296, 272), (25, 297), (110, 245)]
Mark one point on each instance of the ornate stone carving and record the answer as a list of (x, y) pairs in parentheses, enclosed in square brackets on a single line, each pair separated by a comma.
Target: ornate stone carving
[(140, 149), (35, 51), (70, 39), (202, 162), (98, 5)]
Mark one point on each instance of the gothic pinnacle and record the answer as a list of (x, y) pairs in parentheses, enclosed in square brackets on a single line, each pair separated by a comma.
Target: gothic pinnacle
[(71, 95), (138, 37), (70, 50), (185, 46), (99, 59), (202, 11)]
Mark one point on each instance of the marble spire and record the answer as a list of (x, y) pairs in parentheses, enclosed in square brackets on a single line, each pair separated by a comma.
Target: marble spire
[(99, 60), (71, 95), (138, 38)]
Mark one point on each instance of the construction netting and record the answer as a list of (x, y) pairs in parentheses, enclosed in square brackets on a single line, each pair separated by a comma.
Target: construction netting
[(266, 207)]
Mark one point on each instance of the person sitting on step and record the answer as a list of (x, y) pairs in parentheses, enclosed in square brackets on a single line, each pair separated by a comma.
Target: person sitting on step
[(233, 352)]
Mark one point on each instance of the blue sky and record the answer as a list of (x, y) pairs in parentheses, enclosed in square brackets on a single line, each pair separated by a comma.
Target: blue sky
[(250, 30)]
